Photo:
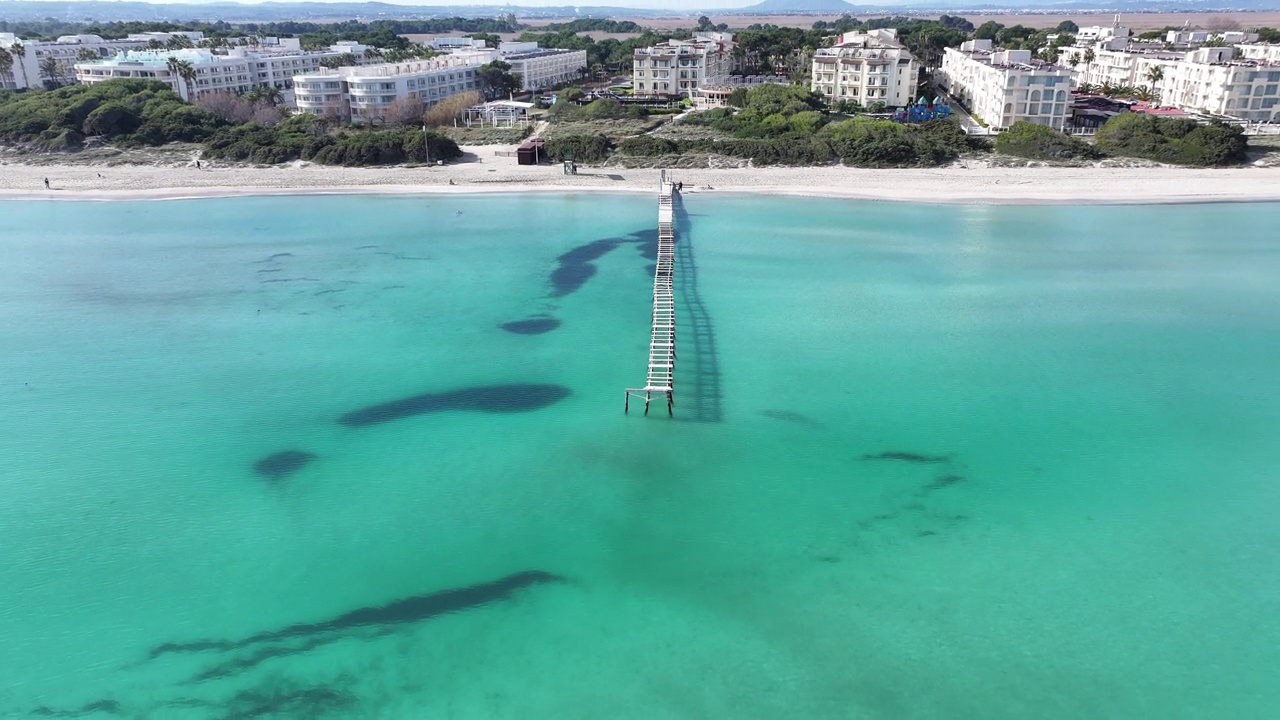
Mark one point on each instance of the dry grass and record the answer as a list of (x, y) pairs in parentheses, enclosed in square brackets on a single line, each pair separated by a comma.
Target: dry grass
[(97, 153), (616, 129), (485, 136)]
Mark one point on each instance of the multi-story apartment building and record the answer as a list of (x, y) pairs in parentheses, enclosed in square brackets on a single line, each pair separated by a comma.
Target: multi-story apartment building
[(680, 67), (235, 71), (1001, 87), (866, 68), (1260, 51), (31, 58), (363, 94), (1209, 80), (1113, 36), (542, 67), (1196, 38)]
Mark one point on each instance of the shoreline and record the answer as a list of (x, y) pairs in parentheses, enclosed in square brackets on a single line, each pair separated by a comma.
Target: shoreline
[(960, 184)]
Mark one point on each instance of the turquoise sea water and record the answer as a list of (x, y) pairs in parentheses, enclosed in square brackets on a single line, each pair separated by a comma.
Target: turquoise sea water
[(927, 462)]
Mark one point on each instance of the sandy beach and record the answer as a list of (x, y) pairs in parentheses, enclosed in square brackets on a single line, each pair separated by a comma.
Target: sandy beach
[(968, 183)]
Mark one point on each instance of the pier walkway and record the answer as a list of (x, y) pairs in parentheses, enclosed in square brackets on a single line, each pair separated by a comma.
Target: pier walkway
[(662, 334)]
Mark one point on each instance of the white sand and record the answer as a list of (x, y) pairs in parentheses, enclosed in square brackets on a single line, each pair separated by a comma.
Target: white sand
[(490, 173)]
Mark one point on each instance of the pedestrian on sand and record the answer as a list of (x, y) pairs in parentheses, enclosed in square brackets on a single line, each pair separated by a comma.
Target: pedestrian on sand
[(46, 183)]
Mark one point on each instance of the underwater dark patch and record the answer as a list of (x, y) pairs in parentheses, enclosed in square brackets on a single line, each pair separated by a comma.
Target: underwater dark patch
[(907, 457), (515, 397), (286, 462), (111, 707), (576, 266), (531, 326), (943, 481), (277, 256), (399, 612), (281, 702), (252, 660), (788, 416)]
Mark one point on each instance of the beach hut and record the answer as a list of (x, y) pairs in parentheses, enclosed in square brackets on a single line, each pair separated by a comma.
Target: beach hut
[(531, 152)]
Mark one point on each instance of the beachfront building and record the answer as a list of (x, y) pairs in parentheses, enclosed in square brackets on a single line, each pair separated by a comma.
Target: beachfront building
[(236, 70), (1113, 37), (364, 94), (1260, 51), (1197, 38), (36, 62), (866, 68), (680, 67), (541, 68), (1001, 87), (1210, 80), (445, 44)]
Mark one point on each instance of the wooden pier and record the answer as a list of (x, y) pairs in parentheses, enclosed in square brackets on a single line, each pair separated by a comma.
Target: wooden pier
[(662, 334)]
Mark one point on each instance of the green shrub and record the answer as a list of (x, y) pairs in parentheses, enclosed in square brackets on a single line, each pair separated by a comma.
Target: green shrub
[(709, 117), (125, 111), (580, 148), (646, 146), (306, 137), (866, 142), (1041, 142), (1179, 141)]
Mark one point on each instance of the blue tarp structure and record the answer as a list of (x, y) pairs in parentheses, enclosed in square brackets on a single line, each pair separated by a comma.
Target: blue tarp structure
[(923, 110)]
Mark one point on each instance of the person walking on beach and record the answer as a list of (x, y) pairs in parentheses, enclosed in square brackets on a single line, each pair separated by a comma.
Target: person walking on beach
[(46, 183)]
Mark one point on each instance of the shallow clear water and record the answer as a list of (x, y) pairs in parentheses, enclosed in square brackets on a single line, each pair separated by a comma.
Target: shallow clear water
[(1085, 526)]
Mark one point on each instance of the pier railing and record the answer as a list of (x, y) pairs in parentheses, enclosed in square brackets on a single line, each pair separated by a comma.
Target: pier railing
[(662, 333)]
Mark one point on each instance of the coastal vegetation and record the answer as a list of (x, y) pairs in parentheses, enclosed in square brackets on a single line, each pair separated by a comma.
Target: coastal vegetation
[(131, 113), (788, 125), (1179, 141), (307, 137), (1041, 142), (126, 112)]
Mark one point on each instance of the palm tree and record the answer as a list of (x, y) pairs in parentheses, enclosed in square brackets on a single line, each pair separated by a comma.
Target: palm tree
[(1154, 75), (6, 64), (1090, 56), (52, 73), (85, 55), (20, 54), (186, 71)]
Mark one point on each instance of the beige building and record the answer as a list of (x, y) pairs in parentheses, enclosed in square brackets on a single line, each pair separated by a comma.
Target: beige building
[(866, 68), (1001, 87), (680, 67)]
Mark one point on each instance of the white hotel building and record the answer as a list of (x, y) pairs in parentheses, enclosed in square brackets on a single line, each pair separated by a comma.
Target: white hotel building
[(1211, 80), (236, 71), (541, 68), (1001, 87), (68, 50), (866, 68), (679, 67), (363, 93)]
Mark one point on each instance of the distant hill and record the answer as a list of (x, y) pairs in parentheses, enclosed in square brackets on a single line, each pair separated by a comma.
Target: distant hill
[(796, 7)]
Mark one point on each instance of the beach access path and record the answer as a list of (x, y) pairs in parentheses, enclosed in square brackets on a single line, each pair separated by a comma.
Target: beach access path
[(964, 183)]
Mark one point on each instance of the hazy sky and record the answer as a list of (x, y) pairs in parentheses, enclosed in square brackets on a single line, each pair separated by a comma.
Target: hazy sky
[(671, 4)]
